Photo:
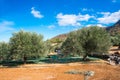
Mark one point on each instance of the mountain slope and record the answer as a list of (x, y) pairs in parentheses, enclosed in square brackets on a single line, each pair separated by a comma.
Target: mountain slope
[(115, 29), (61, 36), (58, 39)]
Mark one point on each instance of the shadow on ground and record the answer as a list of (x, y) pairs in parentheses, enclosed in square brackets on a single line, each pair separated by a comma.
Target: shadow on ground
[(57, 59), (51, 59)]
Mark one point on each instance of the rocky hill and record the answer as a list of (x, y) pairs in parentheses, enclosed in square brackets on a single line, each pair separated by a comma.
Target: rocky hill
[(61, 36), (115, 29)]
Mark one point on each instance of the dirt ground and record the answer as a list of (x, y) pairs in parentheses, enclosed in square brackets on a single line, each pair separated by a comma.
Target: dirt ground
[(103, 71), (114, 49)]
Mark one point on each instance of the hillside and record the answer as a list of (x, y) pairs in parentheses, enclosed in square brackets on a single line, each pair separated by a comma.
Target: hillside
[(58, 39), (61, 37), (114, 29)]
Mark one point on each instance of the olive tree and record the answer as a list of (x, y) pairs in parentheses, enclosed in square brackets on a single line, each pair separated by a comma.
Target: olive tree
[(88, 40), (26, 44), (38, 46), (71, 46), (4, 51), (115, 39), (94, 39)]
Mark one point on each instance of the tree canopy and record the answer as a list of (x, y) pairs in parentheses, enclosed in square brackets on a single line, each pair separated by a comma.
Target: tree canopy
[(86, 41), (4, 51), (25, 44)]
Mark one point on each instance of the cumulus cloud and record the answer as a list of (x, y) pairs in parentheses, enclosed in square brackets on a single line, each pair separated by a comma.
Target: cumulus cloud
[(36, 13), (72, 19), (109, 17), (99, 25), (6, 26)]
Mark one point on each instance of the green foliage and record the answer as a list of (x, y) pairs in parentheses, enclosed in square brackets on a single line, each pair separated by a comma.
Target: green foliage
[(49, 46), (71, 45), (4, 51), (94, 39), (115, 39), (26, 44), (86, 41), (56, 40)]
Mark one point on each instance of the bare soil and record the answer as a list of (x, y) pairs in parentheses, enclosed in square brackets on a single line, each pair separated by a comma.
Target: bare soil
[(114, 49), (103, 71)]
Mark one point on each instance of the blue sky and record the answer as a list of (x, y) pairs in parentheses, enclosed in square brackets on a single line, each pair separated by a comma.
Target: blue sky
[(54, 17)]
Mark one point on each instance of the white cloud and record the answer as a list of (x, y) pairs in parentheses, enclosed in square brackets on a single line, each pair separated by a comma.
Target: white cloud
[(51, 26), (109, 17), (36, 13), (105, 13), (99, 25), (6, 26), (72, 19)]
